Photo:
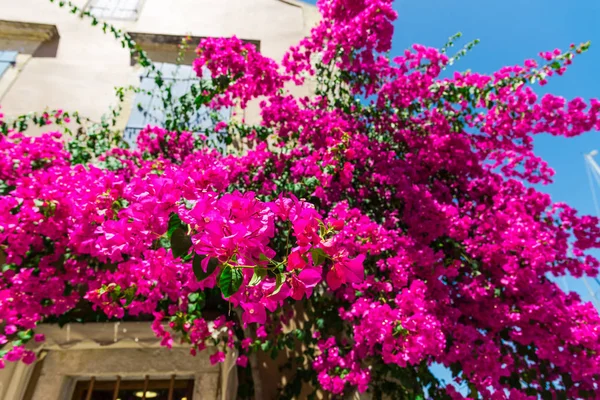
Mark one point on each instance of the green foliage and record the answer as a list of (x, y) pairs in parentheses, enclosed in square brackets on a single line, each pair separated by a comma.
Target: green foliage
[(259, 274), (230, 281), (213, 263)]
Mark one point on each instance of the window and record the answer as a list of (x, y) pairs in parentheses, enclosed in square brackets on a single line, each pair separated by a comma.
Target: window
[(115, 9), (26, 38), (134, 389), (7, 60), (148, 107)]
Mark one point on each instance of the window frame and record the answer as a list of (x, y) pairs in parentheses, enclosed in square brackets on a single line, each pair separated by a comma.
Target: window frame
[(139, 119), (146, 384), (79, 351), (137, 11), (10, 63), (27, 39), (165, 48)]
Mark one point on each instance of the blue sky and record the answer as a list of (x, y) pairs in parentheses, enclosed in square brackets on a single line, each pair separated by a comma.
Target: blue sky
[(510, 32)]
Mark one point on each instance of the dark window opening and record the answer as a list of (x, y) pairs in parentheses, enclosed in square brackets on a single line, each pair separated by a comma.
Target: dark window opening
[(134, 389)]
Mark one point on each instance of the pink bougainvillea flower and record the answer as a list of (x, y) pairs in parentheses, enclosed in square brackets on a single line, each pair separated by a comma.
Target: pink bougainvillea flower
[(345, 270), (217, 357), (253, 313), (304, 283), (428, 178), (242, 361), (295, 261)]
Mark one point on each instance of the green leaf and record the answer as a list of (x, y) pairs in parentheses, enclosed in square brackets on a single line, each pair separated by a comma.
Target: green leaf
[(257, 277), (164, 242), (278, 284), (318, 256), (201, 100), (189, 204), (299, 333), (174, 223), (265, 346), (230, 281), (25, 335), (130, 295), (289, 343), (197, 266), (8, 267), (201, 301), (180, 243), (197, 302), (188, 257), (473, 392), (399, 330)]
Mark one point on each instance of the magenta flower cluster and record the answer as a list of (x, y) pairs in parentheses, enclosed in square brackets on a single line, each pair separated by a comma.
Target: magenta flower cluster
[(407, 224)]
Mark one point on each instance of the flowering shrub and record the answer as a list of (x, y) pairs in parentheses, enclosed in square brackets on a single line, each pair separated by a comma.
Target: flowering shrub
[(395, 206)]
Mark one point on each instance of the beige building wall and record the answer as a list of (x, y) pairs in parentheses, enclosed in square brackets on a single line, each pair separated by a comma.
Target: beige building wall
[(107, 350), (65, 63), (89, 64)]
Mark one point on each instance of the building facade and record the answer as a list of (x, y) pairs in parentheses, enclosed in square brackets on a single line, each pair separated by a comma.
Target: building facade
[(51, 59)]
